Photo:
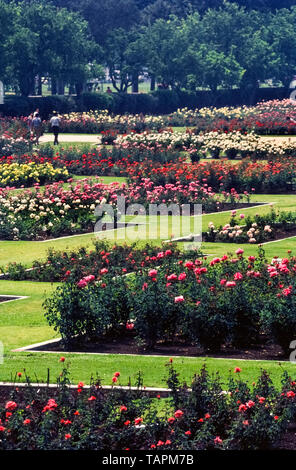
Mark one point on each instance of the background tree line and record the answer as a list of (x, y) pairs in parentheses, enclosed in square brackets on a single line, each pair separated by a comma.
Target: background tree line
[(181, 44)]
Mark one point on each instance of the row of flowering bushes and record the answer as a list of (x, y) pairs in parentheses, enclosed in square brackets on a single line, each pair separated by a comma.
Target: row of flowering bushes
[(269, 117), (238, 299), (215, 144), (256, 229), (27, 174), (163, 167), (52, 211), (100, 121), (260, 177), (87, 160), (265, 118), (118, 259), (213, 415)]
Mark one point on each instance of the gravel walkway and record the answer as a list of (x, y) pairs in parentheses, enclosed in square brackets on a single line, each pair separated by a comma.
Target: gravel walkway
[(91, 138)]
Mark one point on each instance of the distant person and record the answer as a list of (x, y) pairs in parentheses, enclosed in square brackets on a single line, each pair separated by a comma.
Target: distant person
[(36, 127), (55, 126), (108, 90), (29, 121)]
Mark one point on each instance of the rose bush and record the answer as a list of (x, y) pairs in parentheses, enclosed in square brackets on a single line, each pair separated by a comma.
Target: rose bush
[(213, 415), (235, 297)]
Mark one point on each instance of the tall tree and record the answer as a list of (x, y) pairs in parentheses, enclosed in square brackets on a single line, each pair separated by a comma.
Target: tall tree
[(48, 41)]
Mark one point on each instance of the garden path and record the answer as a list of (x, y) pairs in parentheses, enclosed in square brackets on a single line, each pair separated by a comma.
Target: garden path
[(91, 138)]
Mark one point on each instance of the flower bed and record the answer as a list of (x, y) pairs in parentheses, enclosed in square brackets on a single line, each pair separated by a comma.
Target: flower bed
[(88, 160), (265, 118), (25, 175), (271, 177), (232, 416), (237, 298), (55, 211), (230, 144), (257, 229), (94, 122), (117, 259)]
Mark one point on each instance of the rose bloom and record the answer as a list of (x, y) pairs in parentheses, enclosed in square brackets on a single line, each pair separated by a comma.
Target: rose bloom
[(250, 404), (10, 405), (242, 408), (218, 440), (178, 414), (237, 276), (230, 284), (152, 273), (179, 299)]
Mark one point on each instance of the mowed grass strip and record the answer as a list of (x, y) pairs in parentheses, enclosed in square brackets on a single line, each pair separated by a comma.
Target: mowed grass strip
[(84, 366)]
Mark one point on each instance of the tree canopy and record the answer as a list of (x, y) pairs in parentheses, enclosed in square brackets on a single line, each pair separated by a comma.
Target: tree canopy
[(182, 43)]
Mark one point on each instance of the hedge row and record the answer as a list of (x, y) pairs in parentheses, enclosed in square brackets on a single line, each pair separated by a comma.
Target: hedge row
[(157, 102)]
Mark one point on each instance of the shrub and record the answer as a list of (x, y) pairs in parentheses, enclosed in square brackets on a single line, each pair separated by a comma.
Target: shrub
[(212, 416)]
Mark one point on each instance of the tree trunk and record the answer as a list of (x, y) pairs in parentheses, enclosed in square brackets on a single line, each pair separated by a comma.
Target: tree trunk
[(53, 86), (71, 89), (152, 83), (61, 87), (26, 84), (39, 86), (135, 83), (79, 88), (32, 86)]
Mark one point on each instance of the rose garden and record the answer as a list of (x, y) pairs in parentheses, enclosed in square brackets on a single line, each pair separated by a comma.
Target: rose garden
[(152, 342)]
